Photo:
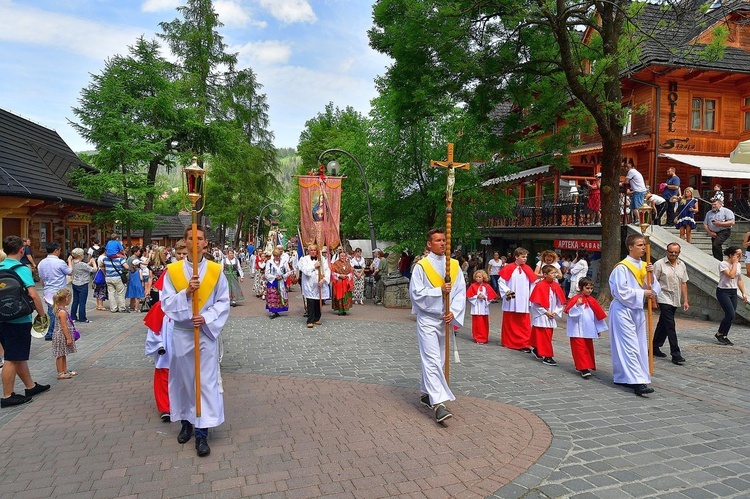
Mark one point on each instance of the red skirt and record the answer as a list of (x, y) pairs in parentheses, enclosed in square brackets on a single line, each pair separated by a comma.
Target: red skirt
[(516, 330), (541, 339), (480, 328), (583, 353)]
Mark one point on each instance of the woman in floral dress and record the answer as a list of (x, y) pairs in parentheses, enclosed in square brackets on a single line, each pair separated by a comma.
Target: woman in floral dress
[(233, 271)]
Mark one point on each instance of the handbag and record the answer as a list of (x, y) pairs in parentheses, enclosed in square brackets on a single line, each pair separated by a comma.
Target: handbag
[(76, 334), (123, 275), (99, 278)]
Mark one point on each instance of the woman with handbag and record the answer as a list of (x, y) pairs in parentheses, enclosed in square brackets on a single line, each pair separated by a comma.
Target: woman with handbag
[(81, 279)]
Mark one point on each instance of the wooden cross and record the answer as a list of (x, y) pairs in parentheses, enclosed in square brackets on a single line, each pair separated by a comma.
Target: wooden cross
[(451, 166)]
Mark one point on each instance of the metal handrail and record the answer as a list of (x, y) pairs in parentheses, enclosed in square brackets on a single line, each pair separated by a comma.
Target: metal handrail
[(734, 201)]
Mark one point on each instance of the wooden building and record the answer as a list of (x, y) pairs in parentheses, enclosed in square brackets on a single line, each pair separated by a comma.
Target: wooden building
[(36, 197)]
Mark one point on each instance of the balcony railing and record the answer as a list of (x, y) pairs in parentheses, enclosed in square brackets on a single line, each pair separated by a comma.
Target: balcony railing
[(545, 211)]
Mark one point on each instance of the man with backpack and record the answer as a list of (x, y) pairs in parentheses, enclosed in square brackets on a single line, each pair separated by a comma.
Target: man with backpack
[(15, 333)]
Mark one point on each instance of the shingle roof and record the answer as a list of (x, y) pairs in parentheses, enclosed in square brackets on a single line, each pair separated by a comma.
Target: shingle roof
[(671, 46), (171, 226), (35, 162)]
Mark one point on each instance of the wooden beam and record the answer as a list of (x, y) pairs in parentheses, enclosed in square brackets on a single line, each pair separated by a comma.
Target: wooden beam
[(721, 77), (693, 74)]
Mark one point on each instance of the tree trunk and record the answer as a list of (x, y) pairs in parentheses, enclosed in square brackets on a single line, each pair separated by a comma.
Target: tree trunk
[(611, 242), (148, 204)]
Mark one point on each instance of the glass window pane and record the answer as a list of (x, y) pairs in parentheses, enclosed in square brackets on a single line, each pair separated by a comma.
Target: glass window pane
[(747, 101), (747, 121), (710, 104), (696, 120), (710, 123)]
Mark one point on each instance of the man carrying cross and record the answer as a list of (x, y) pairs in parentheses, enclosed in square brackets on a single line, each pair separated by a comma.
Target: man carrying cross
[(426, 289)]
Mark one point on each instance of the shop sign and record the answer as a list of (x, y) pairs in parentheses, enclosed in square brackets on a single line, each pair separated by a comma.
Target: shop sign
[(578, 244)]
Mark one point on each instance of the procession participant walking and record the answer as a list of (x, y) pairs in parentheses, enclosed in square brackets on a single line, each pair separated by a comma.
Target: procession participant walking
[(316, 275), (358, 265), (671, 273), (277, 271), (342, 276), (211, 290), (547, 301), (235, 276), (627, 319), (480, 294), (426, 289), (517, 277), (586, 321)]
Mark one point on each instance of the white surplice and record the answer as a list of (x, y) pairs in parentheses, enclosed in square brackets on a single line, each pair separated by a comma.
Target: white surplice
[(582, 323), (182, 366), (539, 314), (310, 287), (519, 284), (162, 340), (428, 304), (627, 325), (480, 306)]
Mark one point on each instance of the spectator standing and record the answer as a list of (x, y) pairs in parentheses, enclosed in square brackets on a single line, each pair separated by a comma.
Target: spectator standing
[(53, 272), (658, 205), (670, 190), (579, 269), (28, 255), (718, 223), (685, 218), (637, 186), (114, 268), (81, 280), (671, 273), (94, 250), (718, 194), (15, 334), (493, 270), (595, 200)]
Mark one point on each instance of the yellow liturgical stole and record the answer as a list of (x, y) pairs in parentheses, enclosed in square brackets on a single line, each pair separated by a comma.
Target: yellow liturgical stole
[(180, 282), (640, 274), (436, 279)]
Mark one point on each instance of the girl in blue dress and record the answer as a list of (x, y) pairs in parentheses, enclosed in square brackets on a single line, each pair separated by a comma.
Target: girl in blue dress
[(685, 218)]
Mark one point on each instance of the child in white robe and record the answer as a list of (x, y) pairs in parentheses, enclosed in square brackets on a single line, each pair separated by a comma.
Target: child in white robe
[(586, 321), (547, 299)]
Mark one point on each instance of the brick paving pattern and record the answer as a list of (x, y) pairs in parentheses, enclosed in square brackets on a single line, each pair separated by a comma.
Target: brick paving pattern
[(334, 412)]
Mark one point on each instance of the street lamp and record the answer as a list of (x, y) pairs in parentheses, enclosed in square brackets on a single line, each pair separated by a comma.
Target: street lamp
[(257, 227), (334, 168)]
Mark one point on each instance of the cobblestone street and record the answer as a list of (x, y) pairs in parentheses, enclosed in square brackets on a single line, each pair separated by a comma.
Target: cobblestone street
[(334, 412)]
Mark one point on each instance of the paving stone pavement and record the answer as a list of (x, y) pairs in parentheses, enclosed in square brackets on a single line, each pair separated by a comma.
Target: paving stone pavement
[(334, 412)]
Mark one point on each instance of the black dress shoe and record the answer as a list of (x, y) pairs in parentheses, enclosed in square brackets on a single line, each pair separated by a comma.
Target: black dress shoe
[(642, 389), (201, 446), (659, 353), (679, 360), (185, 433)]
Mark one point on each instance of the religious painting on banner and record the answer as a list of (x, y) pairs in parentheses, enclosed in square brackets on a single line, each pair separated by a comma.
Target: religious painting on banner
[(320, 209)]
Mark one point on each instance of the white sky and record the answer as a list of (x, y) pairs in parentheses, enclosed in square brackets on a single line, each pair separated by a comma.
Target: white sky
[(305, 53)]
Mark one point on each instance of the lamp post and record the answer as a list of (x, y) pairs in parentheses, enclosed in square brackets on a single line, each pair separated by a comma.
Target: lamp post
[(257, 227), (333, 168), (194, 185)]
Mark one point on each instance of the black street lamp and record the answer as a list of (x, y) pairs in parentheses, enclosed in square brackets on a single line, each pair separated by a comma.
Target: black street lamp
[(257, 227), (333, 168)]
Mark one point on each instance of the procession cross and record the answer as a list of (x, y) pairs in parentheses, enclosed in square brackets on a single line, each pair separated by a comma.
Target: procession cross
[(451, 166)]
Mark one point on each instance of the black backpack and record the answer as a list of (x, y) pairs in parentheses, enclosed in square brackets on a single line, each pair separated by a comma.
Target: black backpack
[(15, 301)]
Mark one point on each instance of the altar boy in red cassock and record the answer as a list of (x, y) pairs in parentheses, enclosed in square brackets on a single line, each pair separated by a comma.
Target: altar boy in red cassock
[(480, 294), (586, 321), (518, 278), (547, 302)]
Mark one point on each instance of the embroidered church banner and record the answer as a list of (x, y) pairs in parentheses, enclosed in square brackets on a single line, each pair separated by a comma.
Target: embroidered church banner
[(320, 210)]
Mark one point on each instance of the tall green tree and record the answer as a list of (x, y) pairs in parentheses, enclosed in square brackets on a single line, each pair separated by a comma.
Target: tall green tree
[(485, 53), (130, 113)]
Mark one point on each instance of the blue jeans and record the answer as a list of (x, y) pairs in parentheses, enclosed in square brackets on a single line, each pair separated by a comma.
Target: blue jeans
[(51, 316), (78, 308), (494, 279), (728, 301)]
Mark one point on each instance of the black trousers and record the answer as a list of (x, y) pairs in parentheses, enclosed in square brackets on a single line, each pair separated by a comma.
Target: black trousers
[(313, 309), (665, 329), (717, 241)]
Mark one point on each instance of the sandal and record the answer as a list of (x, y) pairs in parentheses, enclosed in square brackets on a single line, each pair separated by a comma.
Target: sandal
[(73, 373), (64, 375), (101, 308)]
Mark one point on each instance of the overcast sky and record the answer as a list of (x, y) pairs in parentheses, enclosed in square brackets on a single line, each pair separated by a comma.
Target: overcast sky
[(305, 53)]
